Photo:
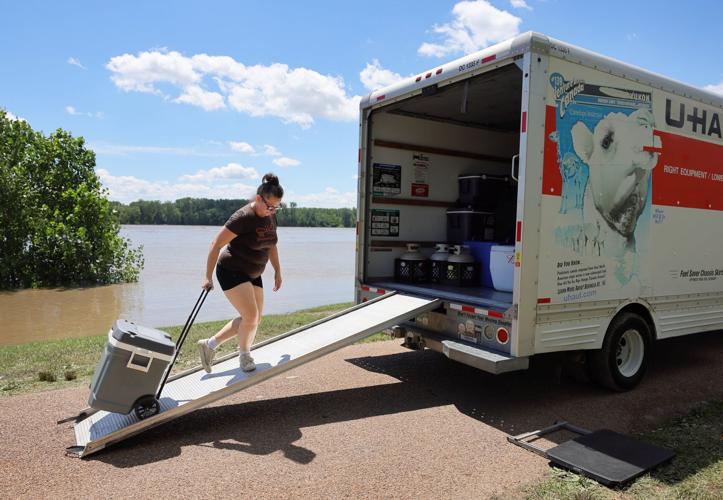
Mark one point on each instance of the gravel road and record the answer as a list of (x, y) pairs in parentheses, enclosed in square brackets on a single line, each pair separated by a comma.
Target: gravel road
[(372, 420)]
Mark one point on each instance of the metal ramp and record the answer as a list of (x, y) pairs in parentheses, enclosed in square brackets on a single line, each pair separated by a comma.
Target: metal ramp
[(195, 388)]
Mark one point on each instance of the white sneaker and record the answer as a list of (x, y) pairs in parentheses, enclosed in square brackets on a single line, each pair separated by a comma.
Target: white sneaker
[(206, 354), (246, 362)]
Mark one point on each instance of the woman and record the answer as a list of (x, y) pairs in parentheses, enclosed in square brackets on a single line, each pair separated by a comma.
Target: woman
[(245, 244)]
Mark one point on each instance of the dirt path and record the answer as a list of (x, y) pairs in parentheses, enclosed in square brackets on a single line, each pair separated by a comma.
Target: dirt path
[(372, 420)]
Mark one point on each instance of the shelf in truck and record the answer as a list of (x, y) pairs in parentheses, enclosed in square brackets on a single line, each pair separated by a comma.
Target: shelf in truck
[(474, 296)]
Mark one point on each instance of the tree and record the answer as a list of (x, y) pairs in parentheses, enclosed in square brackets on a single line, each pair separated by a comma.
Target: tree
[(57, 227)]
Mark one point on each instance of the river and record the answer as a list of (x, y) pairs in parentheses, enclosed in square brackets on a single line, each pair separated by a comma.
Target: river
[(317, 267)]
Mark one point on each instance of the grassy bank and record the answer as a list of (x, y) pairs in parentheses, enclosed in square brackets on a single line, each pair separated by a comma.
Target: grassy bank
[(60, 363), (695, 472)]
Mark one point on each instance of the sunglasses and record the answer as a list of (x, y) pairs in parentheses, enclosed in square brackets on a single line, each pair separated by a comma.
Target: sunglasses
[(271, 208)]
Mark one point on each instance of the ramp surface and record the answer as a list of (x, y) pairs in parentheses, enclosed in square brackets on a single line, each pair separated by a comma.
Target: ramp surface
[(196, 388)]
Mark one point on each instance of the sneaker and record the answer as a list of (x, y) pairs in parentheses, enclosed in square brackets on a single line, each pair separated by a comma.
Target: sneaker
[(206, 354), (246, 362)]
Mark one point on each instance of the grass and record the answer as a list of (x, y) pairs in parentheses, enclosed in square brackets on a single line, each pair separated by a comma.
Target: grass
[(696, 472), (63, 363)]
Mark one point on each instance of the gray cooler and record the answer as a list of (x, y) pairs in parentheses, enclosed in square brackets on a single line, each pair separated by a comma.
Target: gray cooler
[(133, 364)]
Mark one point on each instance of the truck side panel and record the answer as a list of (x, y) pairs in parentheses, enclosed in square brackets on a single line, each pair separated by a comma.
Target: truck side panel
[(632, 206)]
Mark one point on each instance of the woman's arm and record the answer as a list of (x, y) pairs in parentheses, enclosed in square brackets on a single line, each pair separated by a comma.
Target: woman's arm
[(222, 239), (274, 258)]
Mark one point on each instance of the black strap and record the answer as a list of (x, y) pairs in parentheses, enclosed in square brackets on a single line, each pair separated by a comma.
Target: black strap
[(182, 337)]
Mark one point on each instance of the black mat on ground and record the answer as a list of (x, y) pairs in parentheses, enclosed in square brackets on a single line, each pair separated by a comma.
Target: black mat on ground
[(608, 457)]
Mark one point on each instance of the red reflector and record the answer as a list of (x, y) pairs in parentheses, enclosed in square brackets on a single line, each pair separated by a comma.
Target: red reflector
[(365, 288), (489, 58), (502, 335), (544, 300), (438, 71), (379, 290), (428, 75), (518, 237), (379, 98), (359, 156), (468, 309), (524, 121), (418, 78), (495, 314)]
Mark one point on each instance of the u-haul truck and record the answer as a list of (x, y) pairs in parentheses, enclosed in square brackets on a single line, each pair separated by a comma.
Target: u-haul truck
[(617, 224)]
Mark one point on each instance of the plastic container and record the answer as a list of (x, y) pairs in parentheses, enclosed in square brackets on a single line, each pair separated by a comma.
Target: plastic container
[(502, 267), (133, 363), (481, 190), (481, 253), (467, 224)]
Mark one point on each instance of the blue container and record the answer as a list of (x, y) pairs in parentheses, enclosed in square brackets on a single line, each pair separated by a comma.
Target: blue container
[(481, 253)]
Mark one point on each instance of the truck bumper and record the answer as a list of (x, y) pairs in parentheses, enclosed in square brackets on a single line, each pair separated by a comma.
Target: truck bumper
[(467, 353)]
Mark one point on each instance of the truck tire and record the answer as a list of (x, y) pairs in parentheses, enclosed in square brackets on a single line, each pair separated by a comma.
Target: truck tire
[(623, 359)]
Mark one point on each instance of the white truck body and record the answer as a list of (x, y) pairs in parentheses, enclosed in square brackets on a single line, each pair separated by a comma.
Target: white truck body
[(619, 202)]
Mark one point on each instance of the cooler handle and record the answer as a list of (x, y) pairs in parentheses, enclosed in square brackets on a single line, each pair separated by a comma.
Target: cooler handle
[(182, 337), (139, 367), (512, 169)]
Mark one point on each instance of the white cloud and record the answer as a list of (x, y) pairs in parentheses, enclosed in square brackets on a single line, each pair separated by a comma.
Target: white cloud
[(477, 24), (74, 112), (128, 188), (717, 89), (374, 76), (75, 62), (141, 73), (270, 150), (286, 162), (229, 171), (631, 36), (520, 4), (330, 198), (195, 95), (242, 147), (295, 95)]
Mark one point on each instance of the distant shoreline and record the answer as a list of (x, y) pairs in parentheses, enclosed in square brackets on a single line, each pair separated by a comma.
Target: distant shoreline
[(207, 212)]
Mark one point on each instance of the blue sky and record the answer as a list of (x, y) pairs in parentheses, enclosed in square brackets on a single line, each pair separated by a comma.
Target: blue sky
[(201, 98)]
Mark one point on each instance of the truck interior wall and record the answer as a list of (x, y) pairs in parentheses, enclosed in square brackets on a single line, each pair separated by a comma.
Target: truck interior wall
[(424, 223)]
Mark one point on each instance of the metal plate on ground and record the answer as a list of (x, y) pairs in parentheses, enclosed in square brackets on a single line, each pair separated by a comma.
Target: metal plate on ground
[(608, 457)]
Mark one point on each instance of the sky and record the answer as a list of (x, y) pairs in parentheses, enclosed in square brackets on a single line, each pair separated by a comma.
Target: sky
[(202, 98)]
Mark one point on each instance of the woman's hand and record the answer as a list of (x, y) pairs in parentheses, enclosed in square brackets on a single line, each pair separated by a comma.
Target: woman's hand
[(207, 284), (277, 281)]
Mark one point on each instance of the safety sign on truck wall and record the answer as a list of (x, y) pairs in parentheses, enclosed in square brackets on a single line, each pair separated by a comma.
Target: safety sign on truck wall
[(385, 222), (387, 179), (420, 184)]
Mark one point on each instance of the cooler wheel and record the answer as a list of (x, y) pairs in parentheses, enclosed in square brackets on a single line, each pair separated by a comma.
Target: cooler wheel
[(146, 406)]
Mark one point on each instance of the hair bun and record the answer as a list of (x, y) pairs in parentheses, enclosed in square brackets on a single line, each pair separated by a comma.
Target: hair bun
[(270, 178)]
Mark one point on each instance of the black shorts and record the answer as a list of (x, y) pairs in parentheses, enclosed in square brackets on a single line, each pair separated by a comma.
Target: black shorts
[(229, 279)]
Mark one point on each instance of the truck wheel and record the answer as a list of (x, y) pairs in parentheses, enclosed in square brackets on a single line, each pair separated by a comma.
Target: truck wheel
[(623, 359), (146, 406)]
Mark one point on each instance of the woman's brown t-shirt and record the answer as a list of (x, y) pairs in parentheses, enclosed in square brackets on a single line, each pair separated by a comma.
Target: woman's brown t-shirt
[(249, 251)]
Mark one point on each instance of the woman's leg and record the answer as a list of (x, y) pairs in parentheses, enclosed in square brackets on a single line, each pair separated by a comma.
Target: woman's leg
[(243, 298), (259, 294), (228, 331)]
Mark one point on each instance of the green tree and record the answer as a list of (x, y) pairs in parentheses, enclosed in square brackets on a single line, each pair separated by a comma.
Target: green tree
[(56, 225)]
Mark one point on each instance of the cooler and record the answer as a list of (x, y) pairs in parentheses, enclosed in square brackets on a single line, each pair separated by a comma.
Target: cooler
[(133, 364)]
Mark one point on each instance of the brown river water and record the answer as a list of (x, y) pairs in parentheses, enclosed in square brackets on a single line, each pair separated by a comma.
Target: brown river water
[(317, 267)]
